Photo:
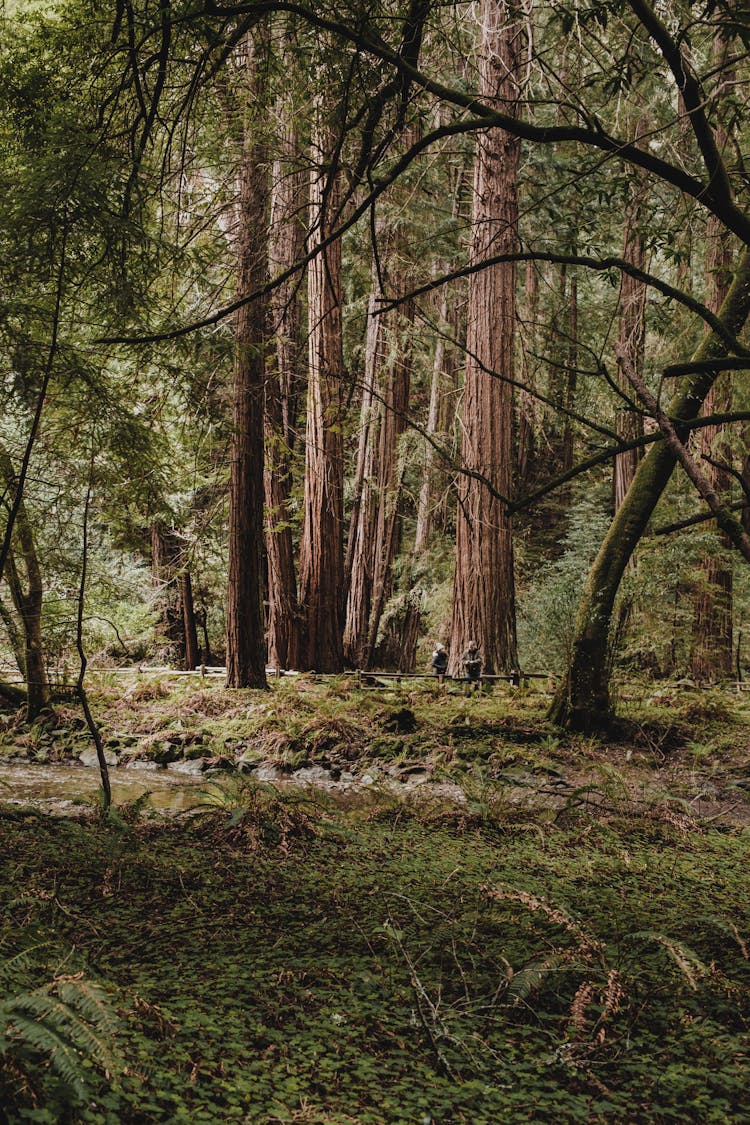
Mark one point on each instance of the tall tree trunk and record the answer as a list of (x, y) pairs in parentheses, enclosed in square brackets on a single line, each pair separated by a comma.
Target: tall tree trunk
[(711, 654), (192, 653), (283, 383), (246, 666), (434, 486), (166, 562), (14, 637), (631, 333), (321, 550), (289, 208), (359, 556), (28, 600), (582, 701), (27, 593), (434, 490), (484, 599), (571, 374), (527, 424), (396, 381)]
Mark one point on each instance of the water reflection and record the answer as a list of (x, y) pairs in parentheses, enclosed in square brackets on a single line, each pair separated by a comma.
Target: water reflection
[(58, 785)]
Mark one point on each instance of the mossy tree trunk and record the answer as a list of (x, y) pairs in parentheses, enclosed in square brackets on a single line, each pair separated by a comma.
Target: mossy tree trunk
[(583, 700), (27, 593)]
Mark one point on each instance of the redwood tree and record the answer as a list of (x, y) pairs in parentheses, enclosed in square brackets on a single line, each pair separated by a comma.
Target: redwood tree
[(246, 666), (321, 551), (484, 601), (284, 380)]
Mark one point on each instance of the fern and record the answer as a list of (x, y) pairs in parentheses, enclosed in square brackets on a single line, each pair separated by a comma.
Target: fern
[(64, 1026), (689, 963)]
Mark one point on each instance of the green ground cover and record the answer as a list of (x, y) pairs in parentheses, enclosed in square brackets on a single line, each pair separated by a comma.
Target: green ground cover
[(406, 961)]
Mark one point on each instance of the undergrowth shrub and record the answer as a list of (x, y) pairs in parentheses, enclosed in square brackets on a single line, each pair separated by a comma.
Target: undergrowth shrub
[(590, 993), (57, 1034), (258, 816)]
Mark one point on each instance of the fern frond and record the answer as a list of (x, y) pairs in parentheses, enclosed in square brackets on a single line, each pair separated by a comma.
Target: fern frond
[(688, 962), (68, 1020), (45, 1039), (529, 979)]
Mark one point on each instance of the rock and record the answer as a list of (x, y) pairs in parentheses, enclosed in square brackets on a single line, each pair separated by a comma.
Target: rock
[(312, 775), (268, 773), (166, 753), (89, 758), (190, 766), (219, 763), (414, 777)]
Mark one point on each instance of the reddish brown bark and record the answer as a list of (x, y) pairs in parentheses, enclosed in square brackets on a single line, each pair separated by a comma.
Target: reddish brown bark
[(484, 600), (284, 380), (245, 641), (192, 652), (321, 551)]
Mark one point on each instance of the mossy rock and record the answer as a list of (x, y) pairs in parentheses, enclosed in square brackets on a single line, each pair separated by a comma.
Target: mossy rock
[(386, 748), (193, 750), (164, 752)]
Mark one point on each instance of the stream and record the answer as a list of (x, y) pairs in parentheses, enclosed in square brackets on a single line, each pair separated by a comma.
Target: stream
[(59, 789), (62, 788)]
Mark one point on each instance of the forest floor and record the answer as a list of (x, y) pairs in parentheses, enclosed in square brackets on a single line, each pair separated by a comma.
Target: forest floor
[(676, 751), (478, 919)]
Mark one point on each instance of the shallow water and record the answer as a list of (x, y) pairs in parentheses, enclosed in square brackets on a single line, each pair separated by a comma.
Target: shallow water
[(59, 787)]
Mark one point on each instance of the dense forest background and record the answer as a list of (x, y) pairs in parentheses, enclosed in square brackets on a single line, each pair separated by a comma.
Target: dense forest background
[(329, 333)]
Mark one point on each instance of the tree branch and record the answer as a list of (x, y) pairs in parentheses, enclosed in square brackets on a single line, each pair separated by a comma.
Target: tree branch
[(586, 261)]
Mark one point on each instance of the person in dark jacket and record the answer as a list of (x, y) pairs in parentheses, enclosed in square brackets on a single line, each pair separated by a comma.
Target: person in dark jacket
[(439, 662), (472, 665)]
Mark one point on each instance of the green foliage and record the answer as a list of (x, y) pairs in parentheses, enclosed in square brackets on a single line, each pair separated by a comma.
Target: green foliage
[(259, 815), (547, 608), (54, 1036), (404, 968)]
